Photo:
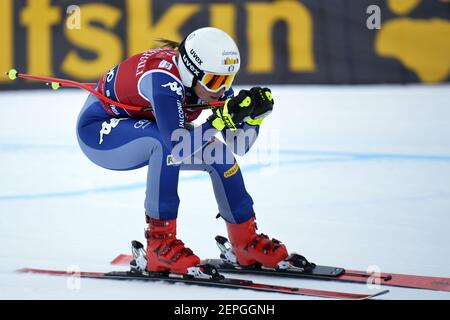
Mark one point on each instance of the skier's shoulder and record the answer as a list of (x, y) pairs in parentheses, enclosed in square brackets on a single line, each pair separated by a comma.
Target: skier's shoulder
[(162, 79), (160, 60)]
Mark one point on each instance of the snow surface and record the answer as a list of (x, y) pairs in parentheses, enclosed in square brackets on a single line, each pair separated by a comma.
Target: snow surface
[(356, 177)]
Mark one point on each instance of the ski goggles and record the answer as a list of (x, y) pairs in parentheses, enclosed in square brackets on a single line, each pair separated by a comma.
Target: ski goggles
[(215, 82)]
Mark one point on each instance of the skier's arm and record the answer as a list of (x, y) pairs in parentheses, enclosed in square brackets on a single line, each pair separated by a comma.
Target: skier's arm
[(241, 140), (165, 94)]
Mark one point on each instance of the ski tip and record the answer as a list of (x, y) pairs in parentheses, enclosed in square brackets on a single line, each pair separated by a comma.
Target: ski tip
[(122, 259), (23, 270)]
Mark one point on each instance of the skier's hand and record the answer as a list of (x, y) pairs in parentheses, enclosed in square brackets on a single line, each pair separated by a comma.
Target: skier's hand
[(263, 105), (234, 111)]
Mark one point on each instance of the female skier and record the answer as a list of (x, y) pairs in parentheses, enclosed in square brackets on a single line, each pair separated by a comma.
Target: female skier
[(200, 69)]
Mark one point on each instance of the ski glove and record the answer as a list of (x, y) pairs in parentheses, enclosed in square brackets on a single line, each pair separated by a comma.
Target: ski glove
[(234, 111), (263, 105)]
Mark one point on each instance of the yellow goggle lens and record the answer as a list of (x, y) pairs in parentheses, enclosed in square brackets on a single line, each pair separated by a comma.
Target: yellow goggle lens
[(215, 82)]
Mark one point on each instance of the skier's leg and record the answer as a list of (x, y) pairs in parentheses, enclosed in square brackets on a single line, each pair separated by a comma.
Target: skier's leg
[(236, 207), (234, 202), (126, 144)]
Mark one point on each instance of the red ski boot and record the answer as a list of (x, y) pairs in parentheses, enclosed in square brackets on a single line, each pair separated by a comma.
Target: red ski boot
[(250, 247), (164, 251)]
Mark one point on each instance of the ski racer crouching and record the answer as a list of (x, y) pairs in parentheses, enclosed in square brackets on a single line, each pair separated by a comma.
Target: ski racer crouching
[(199, 69)]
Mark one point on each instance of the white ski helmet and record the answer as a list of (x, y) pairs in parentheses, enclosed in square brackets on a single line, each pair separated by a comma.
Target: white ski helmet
[(208, 56)]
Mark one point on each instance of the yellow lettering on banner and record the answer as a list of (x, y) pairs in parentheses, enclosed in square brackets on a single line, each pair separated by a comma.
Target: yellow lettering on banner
[(402, 6), (223, 16), (261, 19), (38, 17), (6, 38), (142, 30), (106, 45), (421, 45)]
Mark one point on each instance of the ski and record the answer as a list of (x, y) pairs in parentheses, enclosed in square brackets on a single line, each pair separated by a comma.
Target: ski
[(216, 281), (297, 266), (343, 275)]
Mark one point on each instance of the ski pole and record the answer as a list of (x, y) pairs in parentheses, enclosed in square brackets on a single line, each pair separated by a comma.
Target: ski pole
[(209, 105), (56, 83)]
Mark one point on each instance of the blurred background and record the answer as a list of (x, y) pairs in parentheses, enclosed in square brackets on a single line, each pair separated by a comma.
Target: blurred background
[(281, 42)]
